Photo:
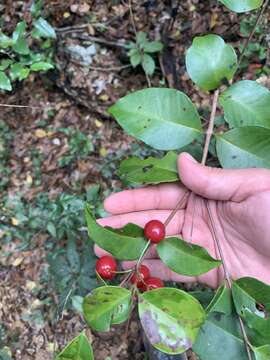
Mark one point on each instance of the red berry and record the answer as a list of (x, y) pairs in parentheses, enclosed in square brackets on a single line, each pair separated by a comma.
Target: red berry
[(106, 267), (153, 283), (154, 230), (140, 277)]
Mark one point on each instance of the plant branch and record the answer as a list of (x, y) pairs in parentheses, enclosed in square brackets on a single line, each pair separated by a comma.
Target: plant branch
[(258, 19), (142, 255), (19, 106), (136, 268), (227, 274), (179, 205), (209, 134), (101, 279), (210, 128), (217, 242)]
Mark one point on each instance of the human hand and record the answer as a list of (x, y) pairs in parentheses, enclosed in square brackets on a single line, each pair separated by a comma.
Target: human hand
[(240, 205)]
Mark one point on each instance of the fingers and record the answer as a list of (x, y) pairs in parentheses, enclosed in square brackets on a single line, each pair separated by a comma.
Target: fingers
[(222, 184), (158, 197), (158, 269), (150, 254), (141, 218)]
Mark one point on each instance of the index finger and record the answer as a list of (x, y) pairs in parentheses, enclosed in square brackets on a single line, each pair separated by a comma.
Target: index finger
[(159, 197)]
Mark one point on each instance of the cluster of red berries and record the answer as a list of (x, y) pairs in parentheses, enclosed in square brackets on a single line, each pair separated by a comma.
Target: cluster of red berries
[(106, 266)]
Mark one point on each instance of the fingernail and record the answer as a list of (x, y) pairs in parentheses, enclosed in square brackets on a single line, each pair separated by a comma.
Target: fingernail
[(189, 157)]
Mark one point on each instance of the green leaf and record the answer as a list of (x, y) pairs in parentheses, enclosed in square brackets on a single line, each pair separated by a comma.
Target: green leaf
[(135, 58), (153, 46), (255, 290), (171, 319), (165, 119), (19, 41), (19, 31), (21, 46), (210, 60), (150, 170), (141, 38), (262, 352), (44, 29), (222, 301), (5, 64), (148, 64), (78, 349), (252, 301), (5, 41), (36, 7), (240, 6), (124, 244), (204, 296), (185, 258), (41, 66), (4, 353), (106, 306), (246, 103), (244, 147), (52, 229), (220, 338), (17, 71), (5, 83)]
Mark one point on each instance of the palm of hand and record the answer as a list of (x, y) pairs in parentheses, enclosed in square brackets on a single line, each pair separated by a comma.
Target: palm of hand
[(239, 207), (241, 230)]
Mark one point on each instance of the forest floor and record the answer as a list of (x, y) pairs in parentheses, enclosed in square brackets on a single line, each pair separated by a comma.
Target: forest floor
[(43, 146)]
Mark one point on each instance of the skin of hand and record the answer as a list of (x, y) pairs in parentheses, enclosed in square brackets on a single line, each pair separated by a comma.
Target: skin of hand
[(239, 200)]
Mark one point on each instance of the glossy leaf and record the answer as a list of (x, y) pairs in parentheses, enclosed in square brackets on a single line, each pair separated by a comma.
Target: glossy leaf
[(204, 296), (148, 64), (5, 83), (44, 29), (222, 301), (240, 6), (36, 8), (106, 306), (5, 64), (244, 147), (135, 58), (150, 170), (252, 301), (5, 41), (165, 119), (153, 46), (220, 338), (258, 326), (126, 243), (19, 31), (18, 71), (41, 66), (255, 290), (78, 349), (19, 40), (246, 103), (21, 46), (171, 319), (185, 258), (209, 61), (141, 38), (262, 352)]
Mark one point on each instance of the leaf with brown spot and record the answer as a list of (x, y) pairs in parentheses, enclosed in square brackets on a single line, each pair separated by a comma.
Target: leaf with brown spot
[(171, 319)]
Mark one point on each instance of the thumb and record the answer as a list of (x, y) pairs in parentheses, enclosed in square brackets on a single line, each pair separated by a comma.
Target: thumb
[(221, 184)]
